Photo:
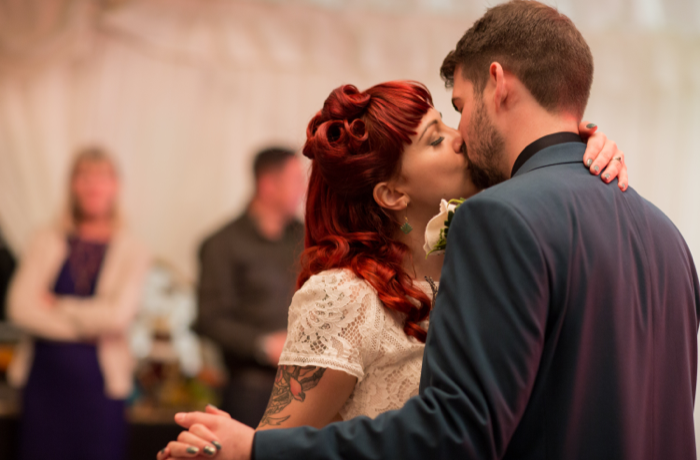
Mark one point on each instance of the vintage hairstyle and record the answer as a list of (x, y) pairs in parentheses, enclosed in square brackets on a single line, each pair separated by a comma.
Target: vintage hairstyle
[(354, 142), (89, 154), (271, 159), (535, 42)]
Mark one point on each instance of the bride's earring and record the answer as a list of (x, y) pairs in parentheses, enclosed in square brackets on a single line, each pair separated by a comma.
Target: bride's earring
[(406, 227)]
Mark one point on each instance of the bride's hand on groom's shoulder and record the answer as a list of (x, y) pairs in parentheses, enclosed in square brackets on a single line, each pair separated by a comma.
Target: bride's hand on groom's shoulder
[(211, 434), (602, 155)]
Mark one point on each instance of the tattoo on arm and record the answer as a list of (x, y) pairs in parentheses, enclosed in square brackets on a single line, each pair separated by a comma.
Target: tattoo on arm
[(291, 384)]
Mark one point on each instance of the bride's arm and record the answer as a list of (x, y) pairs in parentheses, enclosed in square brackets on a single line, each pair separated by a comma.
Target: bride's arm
[(334, 320), (301, 396), (306, 396)]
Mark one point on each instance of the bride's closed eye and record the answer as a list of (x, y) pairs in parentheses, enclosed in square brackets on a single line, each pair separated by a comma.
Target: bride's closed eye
[(437, 141)]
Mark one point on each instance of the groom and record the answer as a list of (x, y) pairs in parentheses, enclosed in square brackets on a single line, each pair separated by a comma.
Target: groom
[(566, 323)]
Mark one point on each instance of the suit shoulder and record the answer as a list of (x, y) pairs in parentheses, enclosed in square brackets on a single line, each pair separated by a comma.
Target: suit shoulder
[(659, 221), (541, 189), (518, 187), (652, 209), (494, 214), (502, 196)]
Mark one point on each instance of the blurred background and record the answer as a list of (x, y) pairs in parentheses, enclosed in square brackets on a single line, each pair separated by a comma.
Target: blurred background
[(185, 92)]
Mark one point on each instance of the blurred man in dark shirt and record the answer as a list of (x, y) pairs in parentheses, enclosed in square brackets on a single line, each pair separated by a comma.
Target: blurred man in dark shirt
[(247, 278)]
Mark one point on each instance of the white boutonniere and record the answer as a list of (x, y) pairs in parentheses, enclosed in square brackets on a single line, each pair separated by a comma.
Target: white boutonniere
[(439, 226)]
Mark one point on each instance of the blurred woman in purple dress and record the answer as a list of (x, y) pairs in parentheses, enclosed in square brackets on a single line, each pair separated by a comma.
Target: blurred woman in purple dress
[(75, 294)]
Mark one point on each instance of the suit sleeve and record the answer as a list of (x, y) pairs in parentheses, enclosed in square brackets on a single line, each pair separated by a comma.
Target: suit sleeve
[(481, 358), (219, 302)]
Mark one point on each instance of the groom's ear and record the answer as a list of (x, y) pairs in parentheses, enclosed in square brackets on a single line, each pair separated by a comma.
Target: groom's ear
[(497, 80), (389, 197)]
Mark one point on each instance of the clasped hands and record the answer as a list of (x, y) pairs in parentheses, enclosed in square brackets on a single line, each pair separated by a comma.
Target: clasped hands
[(211, 434)]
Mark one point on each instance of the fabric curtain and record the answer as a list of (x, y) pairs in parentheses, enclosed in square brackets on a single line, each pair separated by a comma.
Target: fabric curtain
[(184, 92)]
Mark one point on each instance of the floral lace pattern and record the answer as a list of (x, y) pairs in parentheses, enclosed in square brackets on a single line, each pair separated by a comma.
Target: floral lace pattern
[(337, 321)]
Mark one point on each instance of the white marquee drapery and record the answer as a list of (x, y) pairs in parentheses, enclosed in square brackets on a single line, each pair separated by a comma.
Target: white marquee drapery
[(183, 92)]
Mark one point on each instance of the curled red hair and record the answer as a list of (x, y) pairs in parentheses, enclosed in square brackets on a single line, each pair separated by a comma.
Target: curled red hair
[(356, 141)]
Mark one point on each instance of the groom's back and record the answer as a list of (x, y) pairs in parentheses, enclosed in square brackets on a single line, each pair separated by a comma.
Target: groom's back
[(618, 367)]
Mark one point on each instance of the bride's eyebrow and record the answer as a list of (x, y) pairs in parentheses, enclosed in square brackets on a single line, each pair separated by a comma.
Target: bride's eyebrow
[(434, 122)]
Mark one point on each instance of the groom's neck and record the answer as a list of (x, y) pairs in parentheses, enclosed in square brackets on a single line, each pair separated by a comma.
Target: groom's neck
[(528, 125)]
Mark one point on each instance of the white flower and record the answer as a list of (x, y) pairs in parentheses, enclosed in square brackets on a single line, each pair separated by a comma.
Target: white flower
[(434, 231)]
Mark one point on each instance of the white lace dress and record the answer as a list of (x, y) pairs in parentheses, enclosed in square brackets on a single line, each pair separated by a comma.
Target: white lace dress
[(337, 321)]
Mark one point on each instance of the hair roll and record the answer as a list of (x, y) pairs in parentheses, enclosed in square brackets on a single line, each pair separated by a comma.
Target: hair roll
[(356, 141)]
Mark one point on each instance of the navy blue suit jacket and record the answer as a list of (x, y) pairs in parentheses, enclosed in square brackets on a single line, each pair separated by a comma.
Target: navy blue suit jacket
[(565, 328)]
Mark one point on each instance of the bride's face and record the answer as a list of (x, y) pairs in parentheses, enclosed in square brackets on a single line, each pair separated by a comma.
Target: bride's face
[(433, 166)]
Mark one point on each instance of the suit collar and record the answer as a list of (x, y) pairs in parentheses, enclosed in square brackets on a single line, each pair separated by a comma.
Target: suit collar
[(542, 143), (569, 152)]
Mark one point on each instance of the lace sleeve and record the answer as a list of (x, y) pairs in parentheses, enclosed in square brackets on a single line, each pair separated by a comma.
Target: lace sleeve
[(335, 321)]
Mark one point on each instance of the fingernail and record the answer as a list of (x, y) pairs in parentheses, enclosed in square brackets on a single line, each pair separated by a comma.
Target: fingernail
[(591, 125), (589, 162), (607, 176), (192, 450), (209, 450), (162, 451), (624, 186), (217, 444), (597, 168), (180, 417), (212, 406)]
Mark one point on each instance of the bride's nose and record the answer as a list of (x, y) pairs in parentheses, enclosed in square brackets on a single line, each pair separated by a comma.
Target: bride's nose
[(457, 142)]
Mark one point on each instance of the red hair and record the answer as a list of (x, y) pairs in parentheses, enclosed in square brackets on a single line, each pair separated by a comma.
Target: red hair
[(356, 141)]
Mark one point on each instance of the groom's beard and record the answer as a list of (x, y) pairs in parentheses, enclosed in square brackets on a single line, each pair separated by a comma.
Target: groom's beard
[(485, 150)]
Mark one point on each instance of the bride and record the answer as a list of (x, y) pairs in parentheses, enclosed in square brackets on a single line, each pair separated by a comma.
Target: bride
[(382, 160)]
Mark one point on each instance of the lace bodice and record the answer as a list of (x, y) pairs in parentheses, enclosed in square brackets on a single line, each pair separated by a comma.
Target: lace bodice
[(337, 321)]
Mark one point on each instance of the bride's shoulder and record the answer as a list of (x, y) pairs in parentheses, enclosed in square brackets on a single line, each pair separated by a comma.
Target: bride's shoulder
[(339, 284), (336, 321), (337, 279)]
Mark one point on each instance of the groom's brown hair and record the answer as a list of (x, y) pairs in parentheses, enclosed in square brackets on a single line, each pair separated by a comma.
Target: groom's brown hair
[(536, 43)]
